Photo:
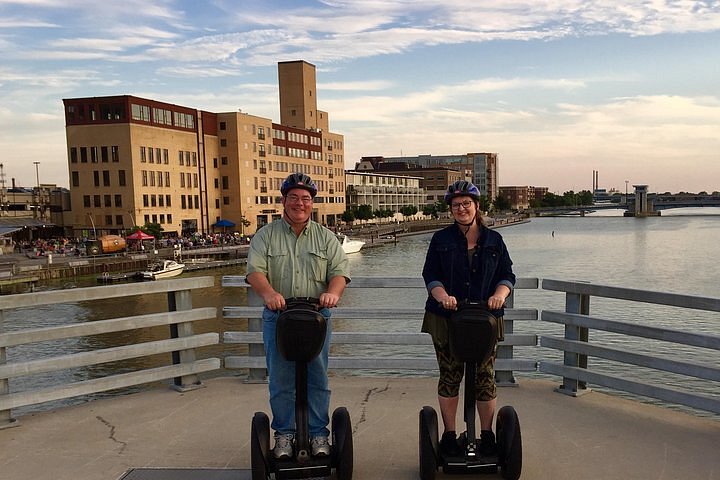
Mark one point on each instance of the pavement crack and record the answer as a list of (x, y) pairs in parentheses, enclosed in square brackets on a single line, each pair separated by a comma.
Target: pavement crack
[(111, 436), (364, 403)]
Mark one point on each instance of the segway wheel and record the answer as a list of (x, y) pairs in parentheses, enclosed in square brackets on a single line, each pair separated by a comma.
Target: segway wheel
[(260, 446), (509, 440), (428, 443), (342, 444)]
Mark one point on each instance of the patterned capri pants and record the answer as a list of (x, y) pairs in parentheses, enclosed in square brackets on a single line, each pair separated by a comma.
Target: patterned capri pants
[(452, 372)]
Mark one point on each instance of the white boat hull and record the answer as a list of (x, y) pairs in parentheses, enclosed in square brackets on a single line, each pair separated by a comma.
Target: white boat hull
[(169, 269)]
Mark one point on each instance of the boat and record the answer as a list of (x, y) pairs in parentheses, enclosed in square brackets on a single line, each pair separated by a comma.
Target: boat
[(164, 269), (349, 246)]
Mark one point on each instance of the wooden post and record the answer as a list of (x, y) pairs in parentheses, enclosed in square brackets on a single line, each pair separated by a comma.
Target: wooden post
[(182, 300), (6, 419), (506, 378), (255, 375), (575, 303)]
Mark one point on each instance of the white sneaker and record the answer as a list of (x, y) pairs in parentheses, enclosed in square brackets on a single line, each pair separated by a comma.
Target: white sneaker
[(283, 445), (319, 446)]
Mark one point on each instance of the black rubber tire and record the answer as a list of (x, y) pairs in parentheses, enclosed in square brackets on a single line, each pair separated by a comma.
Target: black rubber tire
[(428, 445), (509, 441), (342, 444), (260, 447)]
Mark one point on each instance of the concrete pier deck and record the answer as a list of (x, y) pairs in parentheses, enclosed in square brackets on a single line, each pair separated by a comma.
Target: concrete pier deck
[(593, 437)]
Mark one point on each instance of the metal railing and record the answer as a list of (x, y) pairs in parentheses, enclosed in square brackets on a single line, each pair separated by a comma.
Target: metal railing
[(183, 365), (576, 345), (255, 360)]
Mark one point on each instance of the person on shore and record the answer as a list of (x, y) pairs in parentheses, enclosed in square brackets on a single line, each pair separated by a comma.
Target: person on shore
[(296, 257), (465, 261)]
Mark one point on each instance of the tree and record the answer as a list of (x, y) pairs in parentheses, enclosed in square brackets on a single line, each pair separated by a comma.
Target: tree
[(502, 203), (408, 210), (348, 216), (364, 212), (484, 203)]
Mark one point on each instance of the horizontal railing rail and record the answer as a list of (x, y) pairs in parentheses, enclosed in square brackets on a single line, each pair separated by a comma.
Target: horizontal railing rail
[(576, 346), (255, 360), (181, 343)]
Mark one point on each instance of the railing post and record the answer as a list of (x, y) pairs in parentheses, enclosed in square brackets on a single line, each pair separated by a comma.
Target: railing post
[(506, 378), (5, 419), (575, 303), (255, 375), (177, 301)]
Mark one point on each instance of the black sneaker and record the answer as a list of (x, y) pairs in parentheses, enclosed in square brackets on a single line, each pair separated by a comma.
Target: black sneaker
[(488, 446), (449, 445)]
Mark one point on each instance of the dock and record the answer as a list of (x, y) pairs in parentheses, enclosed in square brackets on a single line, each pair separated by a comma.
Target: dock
[(205, 434)]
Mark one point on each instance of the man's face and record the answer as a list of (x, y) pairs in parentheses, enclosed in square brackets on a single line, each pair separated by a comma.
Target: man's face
[(298, 205)]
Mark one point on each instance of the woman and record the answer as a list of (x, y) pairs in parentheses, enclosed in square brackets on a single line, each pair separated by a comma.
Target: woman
[(466, 261)]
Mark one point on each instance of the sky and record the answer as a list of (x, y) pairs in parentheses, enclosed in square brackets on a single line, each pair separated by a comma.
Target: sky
[(558, 88)]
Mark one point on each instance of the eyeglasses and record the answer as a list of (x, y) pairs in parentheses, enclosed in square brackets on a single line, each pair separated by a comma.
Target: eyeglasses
[(299, 199), (466, 205)]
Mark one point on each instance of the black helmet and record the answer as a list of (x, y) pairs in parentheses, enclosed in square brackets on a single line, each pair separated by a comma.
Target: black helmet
[(462, 187), (298, 180)]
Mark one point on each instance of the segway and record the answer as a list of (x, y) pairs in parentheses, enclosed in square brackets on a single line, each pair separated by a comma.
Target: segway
[(300, 335), (472, 336)]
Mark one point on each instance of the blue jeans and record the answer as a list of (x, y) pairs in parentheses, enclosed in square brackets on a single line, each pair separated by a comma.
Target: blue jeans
[(281, 382)]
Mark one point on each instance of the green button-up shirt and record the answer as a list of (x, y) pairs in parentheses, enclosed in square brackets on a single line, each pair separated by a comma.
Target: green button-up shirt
[(297, 266)]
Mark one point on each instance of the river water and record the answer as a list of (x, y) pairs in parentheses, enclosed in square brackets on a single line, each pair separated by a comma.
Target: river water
[(673, 253)]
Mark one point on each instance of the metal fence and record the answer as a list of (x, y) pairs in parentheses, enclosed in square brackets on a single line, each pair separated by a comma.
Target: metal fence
[(181, 342)]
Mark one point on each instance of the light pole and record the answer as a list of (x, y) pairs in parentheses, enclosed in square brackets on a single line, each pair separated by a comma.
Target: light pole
[(93, 225), (37, 194)]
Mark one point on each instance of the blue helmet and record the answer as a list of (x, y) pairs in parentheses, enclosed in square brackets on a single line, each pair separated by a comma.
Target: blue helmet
[(462, 188), (298, 180)]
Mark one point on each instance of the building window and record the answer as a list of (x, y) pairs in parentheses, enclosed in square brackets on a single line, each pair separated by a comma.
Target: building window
[(118, 220), (161, 200), (194, 159), (152, 178), (182, 202), (162, 218), (166, 156), (146, 200), (153, 201), (104, 156), (196, 198), (225, 182), (223, 125), (94, 154), (83, 154), (96, 201), (216, 182), (167, 202), (144, 178), (106, 178), (224, 160), (143, 154), (181, 158), (75, 179), (167, 179), (86, 201), (121, 178), (182, 180), (223, 142), (195, 180), (118, 201), (215, 164), (140, 112), (115, 153), (159, 179), (189, 180), (217, 203), (107, 200), (96, 178), (151, 155), (147, 218), (169, 218), (108, 220), (226, 200)]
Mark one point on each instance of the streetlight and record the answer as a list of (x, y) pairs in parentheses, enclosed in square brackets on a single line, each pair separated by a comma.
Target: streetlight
[(37, 179)]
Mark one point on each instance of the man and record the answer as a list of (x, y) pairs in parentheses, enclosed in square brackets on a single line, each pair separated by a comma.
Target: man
[(297, 257)]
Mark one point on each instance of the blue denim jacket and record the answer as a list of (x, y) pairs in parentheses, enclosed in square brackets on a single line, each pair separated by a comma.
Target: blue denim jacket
[(446, 264)]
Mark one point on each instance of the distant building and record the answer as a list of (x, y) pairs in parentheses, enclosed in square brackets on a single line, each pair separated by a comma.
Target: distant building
[(521, 197), (134, 161), (482, 168), (383, 190)]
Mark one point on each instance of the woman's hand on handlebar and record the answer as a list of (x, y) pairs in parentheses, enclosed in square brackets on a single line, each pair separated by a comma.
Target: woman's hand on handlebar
[(449, 303), (329, 300)]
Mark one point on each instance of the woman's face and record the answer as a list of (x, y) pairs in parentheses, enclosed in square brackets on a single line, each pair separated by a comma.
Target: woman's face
[(463, 208)]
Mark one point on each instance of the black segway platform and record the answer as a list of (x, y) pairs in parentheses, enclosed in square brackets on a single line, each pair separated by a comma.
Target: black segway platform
[(300, 336), (473, 332)]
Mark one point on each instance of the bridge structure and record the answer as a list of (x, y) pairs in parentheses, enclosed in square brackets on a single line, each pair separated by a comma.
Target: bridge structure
[(640, 203)]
